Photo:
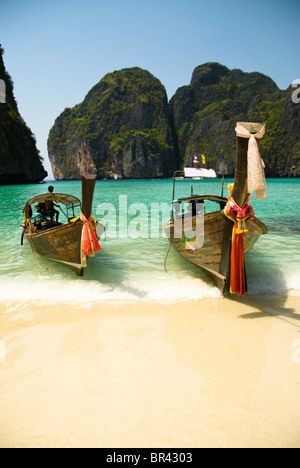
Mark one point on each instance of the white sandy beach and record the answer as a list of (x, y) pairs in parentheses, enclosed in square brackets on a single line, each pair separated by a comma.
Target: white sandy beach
[(215, 373)]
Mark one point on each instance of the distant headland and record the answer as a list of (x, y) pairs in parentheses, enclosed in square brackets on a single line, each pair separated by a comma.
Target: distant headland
[(20, 161)]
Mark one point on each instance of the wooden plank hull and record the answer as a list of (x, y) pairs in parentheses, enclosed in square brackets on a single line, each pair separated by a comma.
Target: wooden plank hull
[(61, 244), (210, 255)]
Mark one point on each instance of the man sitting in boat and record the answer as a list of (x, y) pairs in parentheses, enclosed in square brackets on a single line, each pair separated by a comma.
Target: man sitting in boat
[(50, 207)]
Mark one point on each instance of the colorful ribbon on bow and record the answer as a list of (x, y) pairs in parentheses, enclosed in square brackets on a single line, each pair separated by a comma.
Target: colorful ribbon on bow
[(238, 216), (90, 244)]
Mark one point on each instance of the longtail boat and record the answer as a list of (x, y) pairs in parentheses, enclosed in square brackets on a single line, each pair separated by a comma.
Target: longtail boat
[(71, 242), (216, 239)]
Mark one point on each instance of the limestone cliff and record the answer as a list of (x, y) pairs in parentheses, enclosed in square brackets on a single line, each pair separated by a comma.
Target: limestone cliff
[(126, 128), (20, 162), (121, 129), (206, 111)]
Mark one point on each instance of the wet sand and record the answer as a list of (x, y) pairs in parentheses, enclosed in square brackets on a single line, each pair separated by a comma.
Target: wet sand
[(215, 373)]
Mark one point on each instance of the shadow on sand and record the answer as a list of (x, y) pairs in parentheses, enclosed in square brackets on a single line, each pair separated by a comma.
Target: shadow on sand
[(272, 299), (111, 271)]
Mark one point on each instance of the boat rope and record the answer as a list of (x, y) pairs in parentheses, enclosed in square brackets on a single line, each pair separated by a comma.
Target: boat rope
[(39, 266), (286, 317), (165, 264), (276, 315), (63, 212), (28, 226), (34, 256)]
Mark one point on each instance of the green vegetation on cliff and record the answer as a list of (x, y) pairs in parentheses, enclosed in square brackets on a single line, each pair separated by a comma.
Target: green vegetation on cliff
[(20, 161), (125, 126), (122, 127), (206, 111)]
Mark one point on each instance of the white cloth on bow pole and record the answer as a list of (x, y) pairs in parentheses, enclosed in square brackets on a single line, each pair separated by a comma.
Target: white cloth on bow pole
[(256, 173)]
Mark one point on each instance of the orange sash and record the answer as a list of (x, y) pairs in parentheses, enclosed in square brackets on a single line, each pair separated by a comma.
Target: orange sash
[(237, 263), (90, 243)]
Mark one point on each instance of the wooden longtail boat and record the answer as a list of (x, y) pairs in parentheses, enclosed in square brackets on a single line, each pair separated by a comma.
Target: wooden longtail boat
[(209, 245), (70, 243)]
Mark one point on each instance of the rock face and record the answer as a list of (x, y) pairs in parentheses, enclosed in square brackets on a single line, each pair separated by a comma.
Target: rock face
[(122, 129), (206, 111), (20, 162), (126, 128)]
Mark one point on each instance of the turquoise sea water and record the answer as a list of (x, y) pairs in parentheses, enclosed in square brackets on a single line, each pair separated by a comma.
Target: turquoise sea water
[(131, 264)]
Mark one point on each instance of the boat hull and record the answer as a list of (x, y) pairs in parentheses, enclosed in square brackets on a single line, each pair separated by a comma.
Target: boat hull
[(61, 244), (212, 255)]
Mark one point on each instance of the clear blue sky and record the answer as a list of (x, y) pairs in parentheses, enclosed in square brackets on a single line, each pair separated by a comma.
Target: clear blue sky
[(56, 50)]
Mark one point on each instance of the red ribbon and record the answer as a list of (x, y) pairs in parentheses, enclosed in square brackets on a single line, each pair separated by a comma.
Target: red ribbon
[(90, 241), (237, 263)]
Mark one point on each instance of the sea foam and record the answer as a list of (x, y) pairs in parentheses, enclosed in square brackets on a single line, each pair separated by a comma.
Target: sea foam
[(134, 290), (164, 288)]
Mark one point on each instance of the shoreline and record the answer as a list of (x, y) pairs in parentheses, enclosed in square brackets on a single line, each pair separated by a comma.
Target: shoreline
[(210, 373)]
